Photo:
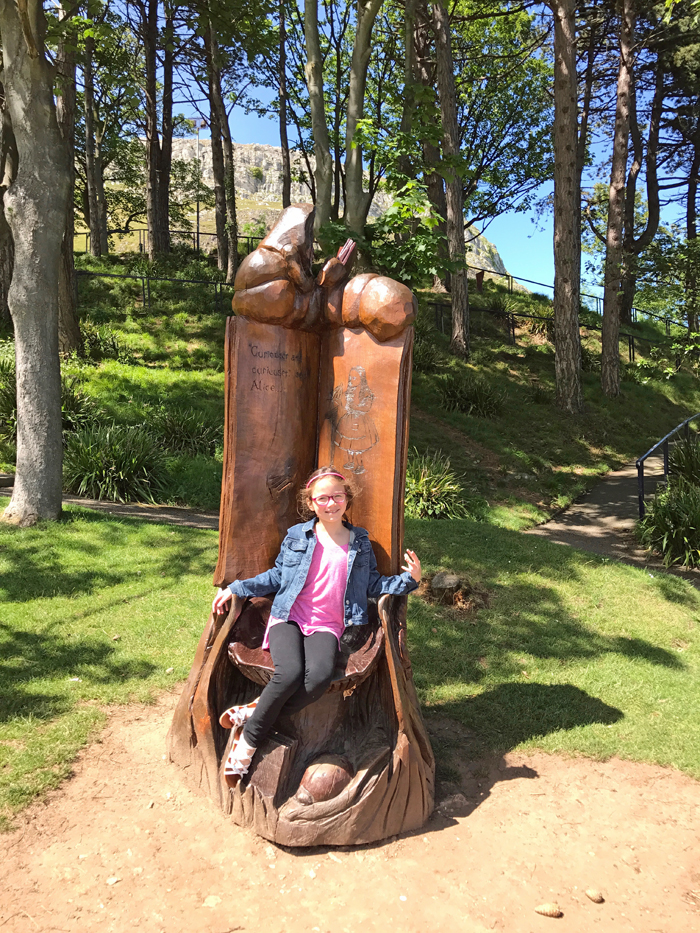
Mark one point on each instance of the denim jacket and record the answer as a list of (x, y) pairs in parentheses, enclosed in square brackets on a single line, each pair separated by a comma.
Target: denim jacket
[(288, 576)]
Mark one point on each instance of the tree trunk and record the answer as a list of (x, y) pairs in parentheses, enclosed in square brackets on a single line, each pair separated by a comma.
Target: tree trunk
[(229, 164), (357, 199), (434, 182), (8, 172), (217, 158), (567, 211), (165, 153), (35, 206), (691, 288), (284, 141), (69, 336), (89, 99), (633, 245), (149, 38), (610, 360), (323, 174), (101, 197), (454, 190)]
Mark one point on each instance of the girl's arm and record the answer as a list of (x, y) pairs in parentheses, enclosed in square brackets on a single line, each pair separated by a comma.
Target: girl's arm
[(398, 584), (267, 582)]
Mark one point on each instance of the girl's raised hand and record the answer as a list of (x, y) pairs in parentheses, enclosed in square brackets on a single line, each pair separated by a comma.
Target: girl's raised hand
[(412, 565), (220, 601)]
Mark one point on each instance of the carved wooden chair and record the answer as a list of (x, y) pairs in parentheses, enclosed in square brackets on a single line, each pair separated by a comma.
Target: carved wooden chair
[(317, 372)]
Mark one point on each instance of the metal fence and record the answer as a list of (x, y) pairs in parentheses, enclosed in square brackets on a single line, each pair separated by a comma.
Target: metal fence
[(509, 319), (187, 235), (663, 443), (637, 313), (146, 280)]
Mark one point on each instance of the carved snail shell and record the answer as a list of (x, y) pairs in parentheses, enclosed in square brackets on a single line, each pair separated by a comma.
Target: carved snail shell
[(549, 910)]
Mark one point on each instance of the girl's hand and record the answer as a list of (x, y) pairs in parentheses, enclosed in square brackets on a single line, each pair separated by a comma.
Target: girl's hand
[(412, 565), (220, 601)]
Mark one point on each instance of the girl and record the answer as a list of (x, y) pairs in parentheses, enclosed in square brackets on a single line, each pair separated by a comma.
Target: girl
[(322, 577)]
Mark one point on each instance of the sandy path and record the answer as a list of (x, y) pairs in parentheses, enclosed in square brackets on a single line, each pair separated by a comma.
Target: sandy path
[(532, 829)]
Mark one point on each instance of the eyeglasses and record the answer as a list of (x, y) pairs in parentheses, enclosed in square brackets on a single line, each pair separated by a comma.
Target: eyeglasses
[(338, 498)]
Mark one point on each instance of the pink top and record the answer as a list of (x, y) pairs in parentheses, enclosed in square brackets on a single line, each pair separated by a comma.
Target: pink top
[(319, 606)]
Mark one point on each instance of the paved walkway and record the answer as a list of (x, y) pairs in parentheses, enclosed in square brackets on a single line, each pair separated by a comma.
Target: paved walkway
[(603, 520), (165, 514)]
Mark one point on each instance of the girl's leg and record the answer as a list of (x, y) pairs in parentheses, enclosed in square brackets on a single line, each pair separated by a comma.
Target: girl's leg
[(286, 648), (320, 654)]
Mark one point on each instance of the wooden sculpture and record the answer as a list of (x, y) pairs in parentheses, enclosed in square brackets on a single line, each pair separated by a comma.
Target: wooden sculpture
[(317, 372)]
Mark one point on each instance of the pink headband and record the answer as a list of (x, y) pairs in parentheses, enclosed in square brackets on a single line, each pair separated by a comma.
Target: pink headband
[(315, 479)]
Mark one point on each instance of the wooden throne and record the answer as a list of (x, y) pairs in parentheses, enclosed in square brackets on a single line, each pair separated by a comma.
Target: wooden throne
[(318, 371)]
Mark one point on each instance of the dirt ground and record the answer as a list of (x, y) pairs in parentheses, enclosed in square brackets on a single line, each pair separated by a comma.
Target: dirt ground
[(126, 844)]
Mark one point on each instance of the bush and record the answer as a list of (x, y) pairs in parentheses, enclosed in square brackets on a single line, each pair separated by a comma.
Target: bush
[(426, 356), (432, 488), (100, 342), (78, 409), (544, 325), (120, 463), (684, 460), (183, 431), (671, 525), (590, 362), (463, 391)]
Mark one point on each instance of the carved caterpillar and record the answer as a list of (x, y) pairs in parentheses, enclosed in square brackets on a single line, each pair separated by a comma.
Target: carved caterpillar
[(275, 285)]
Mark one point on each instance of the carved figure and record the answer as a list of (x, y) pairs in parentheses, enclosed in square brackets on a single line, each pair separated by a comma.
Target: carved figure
[(355, 432), (355, 765)]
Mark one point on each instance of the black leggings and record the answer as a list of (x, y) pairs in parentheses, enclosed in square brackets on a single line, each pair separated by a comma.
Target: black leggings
[(304, 666)]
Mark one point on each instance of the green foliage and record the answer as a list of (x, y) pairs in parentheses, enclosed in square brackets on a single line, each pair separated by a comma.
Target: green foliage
[(256, 172), (684, 460), (671, 525), (120, 463), (184, 431), (426, 355), (405, 242), (433, 489), (257, 226), (78, 408), (101, 342), (471, 394), (590, 362)]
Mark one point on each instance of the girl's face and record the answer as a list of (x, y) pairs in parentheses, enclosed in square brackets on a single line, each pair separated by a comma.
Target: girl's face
[(329, 511)]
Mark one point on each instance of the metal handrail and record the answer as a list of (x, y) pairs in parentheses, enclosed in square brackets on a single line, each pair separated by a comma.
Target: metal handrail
[(663, 442)]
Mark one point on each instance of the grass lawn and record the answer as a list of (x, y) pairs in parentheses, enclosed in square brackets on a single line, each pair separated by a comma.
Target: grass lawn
[(574, 655)]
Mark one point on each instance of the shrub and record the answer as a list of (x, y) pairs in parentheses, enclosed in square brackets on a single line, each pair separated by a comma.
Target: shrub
[(100, 342), (543, 326), (590, 362), (671, 525), (183, 431), (120, 463), (684, 460), (77, 407), (463, 391), (426, 356), (432, 488)]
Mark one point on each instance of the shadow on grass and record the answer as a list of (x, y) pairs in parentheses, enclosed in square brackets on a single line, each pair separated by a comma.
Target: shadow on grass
[(30, 659), (470, 737), (41, 561)]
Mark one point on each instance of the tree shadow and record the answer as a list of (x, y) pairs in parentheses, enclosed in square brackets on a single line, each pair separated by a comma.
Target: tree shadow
[(471, 758), (29, 659), (37, 568)]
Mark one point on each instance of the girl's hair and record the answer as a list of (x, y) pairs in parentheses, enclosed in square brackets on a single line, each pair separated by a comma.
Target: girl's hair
[(305, 493)]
